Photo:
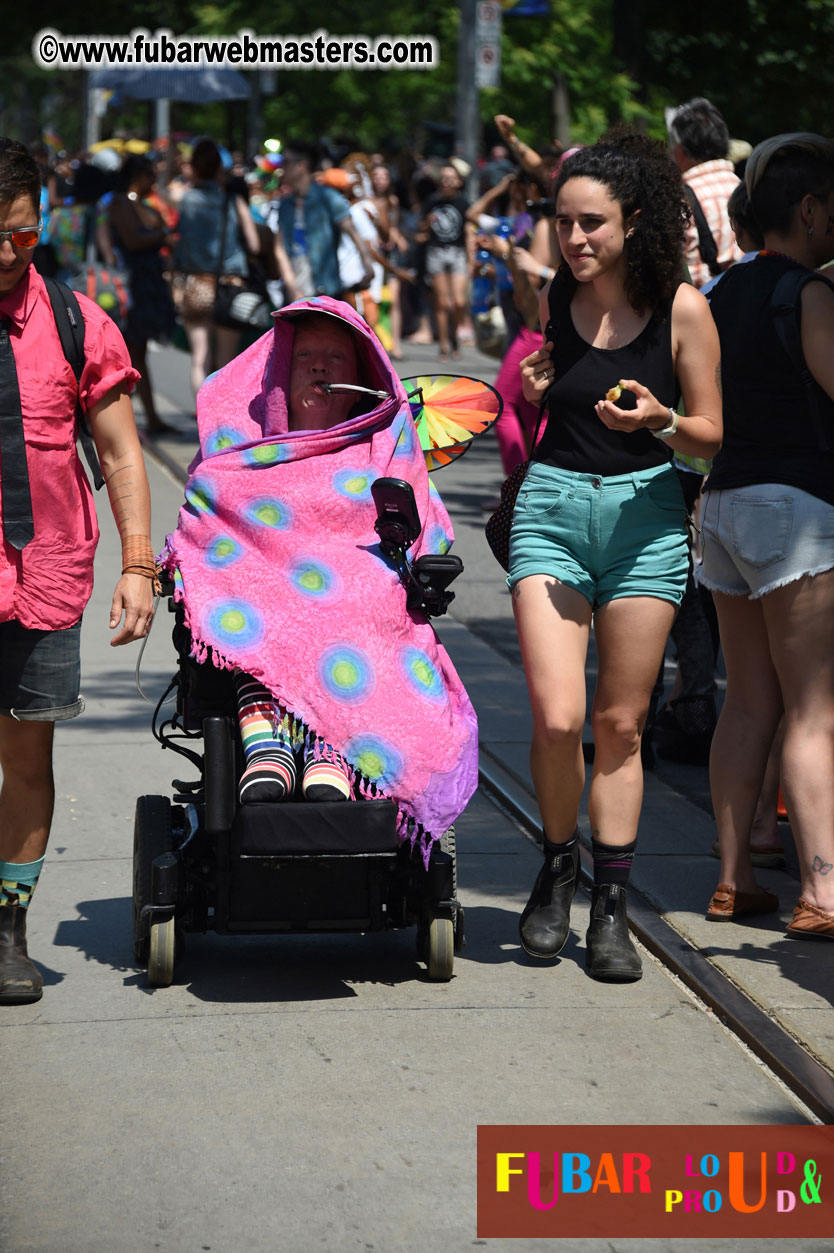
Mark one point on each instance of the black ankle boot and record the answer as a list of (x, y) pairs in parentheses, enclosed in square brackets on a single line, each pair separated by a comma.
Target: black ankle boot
[(609, 952), (545, 922), (20, 979)]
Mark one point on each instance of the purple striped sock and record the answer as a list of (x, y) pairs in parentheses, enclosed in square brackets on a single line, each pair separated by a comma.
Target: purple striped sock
[(612, 862)]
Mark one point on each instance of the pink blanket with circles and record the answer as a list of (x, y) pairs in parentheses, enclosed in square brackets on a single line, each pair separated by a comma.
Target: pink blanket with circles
[(279, 567)]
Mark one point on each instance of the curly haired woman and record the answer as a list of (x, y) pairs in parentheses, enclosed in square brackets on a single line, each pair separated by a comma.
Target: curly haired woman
[(599, 529)]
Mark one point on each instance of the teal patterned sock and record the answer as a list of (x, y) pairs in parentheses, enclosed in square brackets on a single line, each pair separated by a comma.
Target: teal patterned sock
[(18, 880)]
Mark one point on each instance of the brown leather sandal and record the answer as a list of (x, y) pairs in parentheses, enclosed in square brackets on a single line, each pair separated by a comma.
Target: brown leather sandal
[(728, 904), (809, 922)]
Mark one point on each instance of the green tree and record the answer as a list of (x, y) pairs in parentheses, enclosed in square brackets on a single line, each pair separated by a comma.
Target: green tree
[(570, 50), (765, 64)]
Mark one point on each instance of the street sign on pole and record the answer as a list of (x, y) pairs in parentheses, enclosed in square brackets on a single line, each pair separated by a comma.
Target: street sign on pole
[(488, 44), (467, 127)]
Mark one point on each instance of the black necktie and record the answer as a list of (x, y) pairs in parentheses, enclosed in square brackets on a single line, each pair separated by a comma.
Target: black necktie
[(18, 526)]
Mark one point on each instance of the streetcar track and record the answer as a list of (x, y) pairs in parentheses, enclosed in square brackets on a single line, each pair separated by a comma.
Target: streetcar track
[(767, 1039)]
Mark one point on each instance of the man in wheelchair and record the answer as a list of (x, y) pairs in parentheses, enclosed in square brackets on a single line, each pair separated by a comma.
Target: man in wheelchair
[(343, 689)]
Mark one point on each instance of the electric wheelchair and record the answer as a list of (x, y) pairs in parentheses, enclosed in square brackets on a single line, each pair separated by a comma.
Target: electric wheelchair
[(203, 862)]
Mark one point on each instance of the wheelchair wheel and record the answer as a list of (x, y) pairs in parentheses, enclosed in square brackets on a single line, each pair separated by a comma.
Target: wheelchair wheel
[(441, 961), (153, 835), (161, 950), (447, 845)]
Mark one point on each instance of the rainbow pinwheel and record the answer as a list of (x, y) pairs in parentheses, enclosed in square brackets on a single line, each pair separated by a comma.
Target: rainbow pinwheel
[(449, 411)]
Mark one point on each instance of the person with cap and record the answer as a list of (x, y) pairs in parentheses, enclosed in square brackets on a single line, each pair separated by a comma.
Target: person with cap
[(365, 217), (49, 537)]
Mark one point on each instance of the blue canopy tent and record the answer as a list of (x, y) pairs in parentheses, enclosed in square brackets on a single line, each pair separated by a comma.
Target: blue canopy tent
[(202, 85), (191, 86)]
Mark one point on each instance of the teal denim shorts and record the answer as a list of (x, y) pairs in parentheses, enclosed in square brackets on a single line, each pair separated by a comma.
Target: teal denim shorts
[(622, 535)]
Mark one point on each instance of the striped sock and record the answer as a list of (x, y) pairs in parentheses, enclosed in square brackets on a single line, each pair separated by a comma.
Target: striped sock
[(325, 776), (612, 862), (18, 881), (267, 746)]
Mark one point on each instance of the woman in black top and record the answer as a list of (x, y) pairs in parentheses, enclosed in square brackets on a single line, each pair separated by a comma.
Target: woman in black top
[(449, 252), (768, 527), (139, 234), (599, 526)]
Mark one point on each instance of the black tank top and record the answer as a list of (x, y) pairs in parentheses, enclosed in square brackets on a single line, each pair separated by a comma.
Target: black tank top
[(768, 434), (575, 438)]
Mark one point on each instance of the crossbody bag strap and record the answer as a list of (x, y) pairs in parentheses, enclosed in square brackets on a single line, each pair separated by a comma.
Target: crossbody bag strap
[(542, 408), (225, 215), (69, 323), (706, 240), (558, 305)]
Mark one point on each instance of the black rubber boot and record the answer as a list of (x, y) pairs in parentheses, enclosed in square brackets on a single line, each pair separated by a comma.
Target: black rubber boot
[(20, 979), (545, 921), (609, 952)]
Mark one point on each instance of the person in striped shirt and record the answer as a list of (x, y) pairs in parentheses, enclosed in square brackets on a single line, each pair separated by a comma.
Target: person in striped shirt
[(699, 142)]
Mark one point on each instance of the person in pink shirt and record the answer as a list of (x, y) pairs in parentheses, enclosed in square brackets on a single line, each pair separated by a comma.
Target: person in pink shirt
[(49, 536)]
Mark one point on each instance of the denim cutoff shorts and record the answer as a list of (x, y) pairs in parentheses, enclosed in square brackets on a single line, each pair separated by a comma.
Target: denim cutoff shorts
[(760, 537), (606, 537), (445, 259), (40, 673)]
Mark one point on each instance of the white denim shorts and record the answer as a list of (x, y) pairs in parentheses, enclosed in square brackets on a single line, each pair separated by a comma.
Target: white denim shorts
[(446, 259), (761, 537)]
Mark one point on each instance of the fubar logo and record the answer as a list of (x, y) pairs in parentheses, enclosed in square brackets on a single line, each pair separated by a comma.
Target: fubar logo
[(651, 1182)]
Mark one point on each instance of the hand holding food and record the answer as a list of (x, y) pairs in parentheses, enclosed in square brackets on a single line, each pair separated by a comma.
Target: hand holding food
[(648, 413)]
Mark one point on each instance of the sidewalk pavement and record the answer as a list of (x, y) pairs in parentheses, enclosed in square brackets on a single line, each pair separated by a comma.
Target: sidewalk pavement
[(299, 1092), (303, 1092)]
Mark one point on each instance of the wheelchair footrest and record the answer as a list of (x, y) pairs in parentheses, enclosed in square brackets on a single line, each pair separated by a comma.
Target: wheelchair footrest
[(302, 827)]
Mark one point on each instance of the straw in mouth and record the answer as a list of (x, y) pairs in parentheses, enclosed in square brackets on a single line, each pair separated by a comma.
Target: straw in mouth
[(327, 388)]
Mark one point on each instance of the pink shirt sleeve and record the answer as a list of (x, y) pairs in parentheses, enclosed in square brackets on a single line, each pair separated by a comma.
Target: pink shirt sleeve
[(107, 363)]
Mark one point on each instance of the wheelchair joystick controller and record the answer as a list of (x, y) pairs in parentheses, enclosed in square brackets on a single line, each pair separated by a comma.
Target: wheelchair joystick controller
[(398, 525)]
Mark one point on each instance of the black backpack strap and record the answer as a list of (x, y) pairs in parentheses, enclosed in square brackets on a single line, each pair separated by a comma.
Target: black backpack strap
[(706, 240), (69, 322), (558, 305), (786, 310)]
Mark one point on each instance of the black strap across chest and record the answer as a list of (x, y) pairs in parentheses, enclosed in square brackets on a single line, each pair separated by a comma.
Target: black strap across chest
[(18, 524)]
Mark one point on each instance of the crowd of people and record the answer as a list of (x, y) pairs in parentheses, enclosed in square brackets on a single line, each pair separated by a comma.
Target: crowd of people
[(650, 375), (395, 237)]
